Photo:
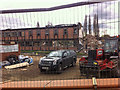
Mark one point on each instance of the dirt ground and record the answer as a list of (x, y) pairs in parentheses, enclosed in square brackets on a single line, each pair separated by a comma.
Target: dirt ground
[(32, 73)]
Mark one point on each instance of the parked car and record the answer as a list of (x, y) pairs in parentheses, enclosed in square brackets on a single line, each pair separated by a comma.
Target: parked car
[(58, 60)]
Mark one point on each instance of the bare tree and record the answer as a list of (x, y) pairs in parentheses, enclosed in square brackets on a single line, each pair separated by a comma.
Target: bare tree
[(89, 28), (85, 26), (96, 26)]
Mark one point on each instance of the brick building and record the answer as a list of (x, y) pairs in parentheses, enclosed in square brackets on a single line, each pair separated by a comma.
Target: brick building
[(44, 38)]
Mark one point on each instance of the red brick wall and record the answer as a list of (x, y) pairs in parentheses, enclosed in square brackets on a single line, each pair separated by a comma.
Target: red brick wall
[(60, 32), (42, 34), (34, 36), (70, 32), (51, 34)]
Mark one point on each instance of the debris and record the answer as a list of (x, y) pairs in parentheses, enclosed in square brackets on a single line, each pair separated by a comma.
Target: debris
[(28, 59), (24, 69), (0, 64), (5, 63), (6, 81), (36, 53), (23, 61), (12, 59), (90, 42), (17, 65)]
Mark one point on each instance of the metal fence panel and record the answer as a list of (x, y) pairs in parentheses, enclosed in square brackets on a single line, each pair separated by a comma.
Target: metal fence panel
[(81, 26)]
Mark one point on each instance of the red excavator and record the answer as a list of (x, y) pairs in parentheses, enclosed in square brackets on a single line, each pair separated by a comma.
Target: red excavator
[(101, 60)]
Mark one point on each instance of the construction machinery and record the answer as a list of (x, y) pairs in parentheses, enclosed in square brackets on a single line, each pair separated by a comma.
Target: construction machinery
[(101, 60)]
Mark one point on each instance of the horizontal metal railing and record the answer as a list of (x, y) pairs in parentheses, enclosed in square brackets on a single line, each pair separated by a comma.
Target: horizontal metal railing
[(50, 80), (53, 8), (73, 84)]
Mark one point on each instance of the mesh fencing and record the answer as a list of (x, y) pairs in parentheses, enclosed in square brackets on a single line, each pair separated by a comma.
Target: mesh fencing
[(74, 30)]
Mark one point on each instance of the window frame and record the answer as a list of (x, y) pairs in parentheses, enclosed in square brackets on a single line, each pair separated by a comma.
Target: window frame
[(56, 31), (30, 33), (47, 31), (38, 32), (65, 31), (75, 29)]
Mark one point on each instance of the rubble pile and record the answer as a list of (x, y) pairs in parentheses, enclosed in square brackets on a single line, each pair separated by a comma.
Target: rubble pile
[(91, 42)]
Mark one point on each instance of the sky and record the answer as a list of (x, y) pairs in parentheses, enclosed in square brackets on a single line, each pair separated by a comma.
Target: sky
[(107, 13), (17, 4)]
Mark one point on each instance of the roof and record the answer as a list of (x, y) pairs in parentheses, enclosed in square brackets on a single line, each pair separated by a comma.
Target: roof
[(47, 27)]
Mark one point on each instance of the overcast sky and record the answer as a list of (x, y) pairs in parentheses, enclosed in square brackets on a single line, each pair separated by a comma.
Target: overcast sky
[(107, 13), (17, 4)]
